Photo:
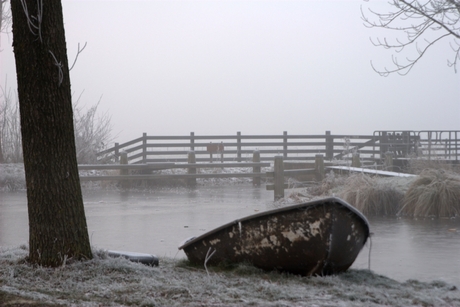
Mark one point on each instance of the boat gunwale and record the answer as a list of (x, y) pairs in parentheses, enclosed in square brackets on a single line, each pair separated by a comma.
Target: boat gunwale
[(275, 211)]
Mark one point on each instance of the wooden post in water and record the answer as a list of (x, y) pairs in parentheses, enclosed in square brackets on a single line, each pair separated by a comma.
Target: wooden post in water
[(125, 184), (319, 167), (278, 178), (191, 182), (256, 169), (355, 162)]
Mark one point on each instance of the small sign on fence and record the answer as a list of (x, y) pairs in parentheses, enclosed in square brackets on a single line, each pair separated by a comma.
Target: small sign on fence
[(212, 148), (215, 148)]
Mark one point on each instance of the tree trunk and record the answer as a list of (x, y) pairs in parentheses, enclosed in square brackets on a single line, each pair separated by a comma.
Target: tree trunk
[(57, 222)]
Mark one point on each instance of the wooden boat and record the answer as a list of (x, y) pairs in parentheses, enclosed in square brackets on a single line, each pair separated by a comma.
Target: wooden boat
[(321, 237)]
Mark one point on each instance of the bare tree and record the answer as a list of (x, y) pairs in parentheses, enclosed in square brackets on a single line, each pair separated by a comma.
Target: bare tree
[(57, 222), (5, 15), (5, 20), (10, 128), (419, 25), (92, 132)]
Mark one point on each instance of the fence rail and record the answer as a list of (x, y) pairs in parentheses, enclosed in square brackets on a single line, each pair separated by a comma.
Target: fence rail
[(239, 148)]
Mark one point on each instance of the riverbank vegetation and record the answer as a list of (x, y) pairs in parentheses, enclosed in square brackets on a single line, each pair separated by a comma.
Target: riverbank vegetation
[(433, 191)]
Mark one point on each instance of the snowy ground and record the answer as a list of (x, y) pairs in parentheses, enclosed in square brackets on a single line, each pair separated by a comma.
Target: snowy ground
[(105, 281)]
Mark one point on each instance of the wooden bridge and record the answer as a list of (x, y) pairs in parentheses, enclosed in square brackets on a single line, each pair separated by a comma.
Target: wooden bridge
[(251, 151)]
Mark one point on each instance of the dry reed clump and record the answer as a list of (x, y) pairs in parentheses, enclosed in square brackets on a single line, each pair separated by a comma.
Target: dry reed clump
[(370, 196), (433, 193)]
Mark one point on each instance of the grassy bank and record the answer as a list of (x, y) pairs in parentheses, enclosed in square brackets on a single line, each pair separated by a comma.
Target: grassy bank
[(105, 281)]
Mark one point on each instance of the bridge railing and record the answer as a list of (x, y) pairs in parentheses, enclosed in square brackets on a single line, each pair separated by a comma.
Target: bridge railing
[(430, 144), (439, 144), (240, 148)]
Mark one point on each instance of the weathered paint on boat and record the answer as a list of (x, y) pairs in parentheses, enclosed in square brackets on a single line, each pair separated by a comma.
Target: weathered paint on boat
[(316, 238)]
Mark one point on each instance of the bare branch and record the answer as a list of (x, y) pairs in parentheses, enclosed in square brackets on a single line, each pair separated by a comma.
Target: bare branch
[(30, 18), (423, 22), (78, 53), (59, 66)]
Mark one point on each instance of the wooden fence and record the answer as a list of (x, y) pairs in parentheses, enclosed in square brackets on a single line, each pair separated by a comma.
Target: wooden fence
[(239, 147)]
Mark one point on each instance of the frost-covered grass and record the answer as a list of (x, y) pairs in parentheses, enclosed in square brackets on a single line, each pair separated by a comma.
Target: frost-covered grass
[(105, 281)]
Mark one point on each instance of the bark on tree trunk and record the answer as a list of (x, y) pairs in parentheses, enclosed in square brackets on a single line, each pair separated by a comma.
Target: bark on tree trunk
[(57, 222)]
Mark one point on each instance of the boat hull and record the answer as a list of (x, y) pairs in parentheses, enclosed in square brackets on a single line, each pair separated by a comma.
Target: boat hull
[(316, 238)]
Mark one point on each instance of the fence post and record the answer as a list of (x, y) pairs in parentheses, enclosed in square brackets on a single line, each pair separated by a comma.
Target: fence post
[(192, 141), (383, 144), (117, 152), (221, 152), (389, 161), (429, 145), (144, 147), (285, 146), (238, 146), (278, 178), (256, 169), (210, 150), (125, 184), (329, 146), (355, 161), (191, 159), (319, 167)]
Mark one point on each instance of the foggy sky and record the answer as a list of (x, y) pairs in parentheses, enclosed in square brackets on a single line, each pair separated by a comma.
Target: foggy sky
[(259, 67)]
